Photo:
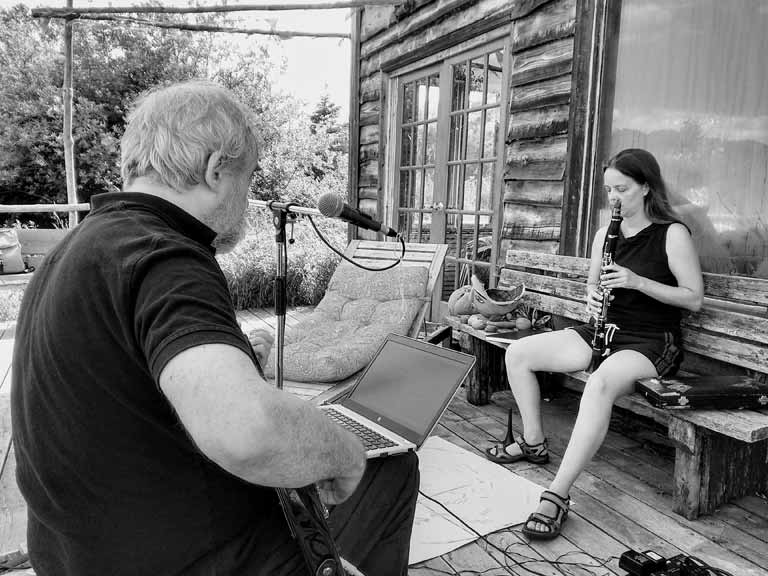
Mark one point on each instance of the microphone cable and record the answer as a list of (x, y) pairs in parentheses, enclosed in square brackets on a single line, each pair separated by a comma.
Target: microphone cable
[(334, 249)]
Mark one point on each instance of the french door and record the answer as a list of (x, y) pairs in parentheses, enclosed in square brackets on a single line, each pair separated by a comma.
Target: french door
[(449, 133)]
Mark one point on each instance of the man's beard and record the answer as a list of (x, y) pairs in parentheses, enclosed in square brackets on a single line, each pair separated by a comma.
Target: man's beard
[(226, 241)]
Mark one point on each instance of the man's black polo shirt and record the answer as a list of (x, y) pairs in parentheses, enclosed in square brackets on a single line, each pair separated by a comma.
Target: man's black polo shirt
[(113, 483)]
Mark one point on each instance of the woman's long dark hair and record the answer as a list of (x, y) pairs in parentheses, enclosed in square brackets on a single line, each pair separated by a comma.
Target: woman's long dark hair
[(642, 167)]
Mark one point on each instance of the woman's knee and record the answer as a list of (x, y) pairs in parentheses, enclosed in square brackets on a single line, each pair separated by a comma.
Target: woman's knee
[(516, 357), (598, 388)]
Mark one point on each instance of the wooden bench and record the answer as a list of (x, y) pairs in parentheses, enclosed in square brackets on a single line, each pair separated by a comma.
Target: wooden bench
[(35, 244), (720, 454)]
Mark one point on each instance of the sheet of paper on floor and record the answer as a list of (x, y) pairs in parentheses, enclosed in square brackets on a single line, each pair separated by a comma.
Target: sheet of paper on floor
[(486, 496)]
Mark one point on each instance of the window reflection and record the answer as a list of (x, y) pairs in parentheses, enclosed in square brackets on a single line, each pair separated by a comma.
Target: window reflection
[(696, 96)]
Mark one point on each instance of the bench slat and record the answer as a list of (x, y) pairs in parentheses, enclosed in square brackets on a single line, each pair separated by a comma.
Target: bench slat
[(721, 286), (549, 262)]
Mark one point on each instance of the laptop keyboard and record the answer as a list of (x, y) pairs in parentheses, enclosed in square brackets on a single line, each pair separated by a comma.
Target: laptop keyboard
[(371, 439)]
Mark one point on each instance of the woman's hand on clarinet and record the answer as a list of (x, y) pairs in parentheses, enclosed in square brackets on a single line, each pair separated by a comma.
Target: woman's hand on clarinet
[(595, 302), (615, 276)]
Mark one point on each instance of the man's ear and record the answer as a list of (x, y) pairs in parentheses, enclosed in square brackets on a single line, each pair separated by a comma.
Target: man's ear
[(213, 171)]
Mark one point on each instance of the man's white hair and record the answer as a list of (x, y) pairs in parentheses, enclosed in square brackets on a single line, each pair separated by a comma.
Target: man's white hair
[(172, 132)]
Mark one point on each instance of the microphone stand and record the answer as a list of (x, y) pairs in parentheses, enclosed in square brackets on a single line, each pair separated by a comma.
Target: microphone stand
[(306, 515)]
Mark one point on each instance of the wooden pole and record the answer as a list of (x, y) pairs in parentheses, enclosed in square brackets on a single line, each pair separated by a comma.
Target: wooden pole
[(69, 12), (211, 28), (69, 143), (14, 208)]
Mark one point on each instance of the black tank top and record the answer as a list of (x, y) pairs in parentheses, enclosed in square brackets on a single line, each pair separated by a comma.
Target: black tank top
[(646, 255)]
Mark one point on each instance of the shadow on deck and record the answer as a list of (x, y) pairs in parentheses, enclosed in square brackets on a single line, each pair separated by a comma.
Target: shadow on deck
[(623, 500)]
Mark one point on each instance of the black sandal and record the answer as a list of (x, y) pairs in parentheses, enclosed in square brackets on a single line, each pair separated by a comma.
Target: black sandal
[(534, 453), (554, 523)]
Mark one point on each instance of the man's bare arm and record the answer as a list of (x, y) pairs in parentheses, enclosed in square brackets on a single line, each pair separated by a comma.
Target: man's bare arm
[(253, 430)]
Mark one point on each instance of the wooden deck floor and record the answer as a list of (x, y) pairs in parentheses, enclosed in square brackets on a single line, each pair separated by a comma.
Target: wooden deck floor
[(622, 501)]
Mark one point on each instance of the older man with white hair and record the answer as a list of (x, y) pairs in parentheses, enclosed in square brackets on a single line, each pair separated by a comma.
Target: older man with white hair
[(146, 439)]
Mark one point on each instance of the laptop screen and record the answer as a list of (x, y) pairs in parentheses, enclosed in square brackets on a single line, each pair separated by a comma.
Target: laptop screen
[(408, 385)]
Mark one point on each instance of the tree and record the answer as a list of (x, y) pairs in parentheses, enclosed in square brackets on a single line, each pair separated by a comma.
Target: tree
[(114, 62)]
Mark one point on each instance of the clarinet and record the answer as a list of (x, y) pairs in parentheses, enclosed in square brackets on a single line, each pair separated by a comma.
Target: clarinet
[(604, 332)]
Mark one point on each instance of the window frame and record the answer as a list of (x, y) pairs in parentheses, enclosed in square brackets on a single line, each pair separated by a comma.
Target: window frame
[(442, 62)]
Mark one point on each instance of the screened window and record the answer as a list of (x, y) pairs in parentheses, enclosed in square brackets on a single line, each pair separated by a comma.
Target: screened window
[(692, 88)]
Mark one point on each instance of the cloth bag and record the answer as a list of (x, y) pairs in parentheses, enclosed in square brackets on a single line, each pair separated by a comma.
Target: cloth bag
[(11, 261)]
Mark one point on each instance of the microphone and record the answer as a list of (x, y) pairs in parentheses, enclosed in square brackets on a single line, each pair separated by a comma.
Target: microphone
[(333, 206)]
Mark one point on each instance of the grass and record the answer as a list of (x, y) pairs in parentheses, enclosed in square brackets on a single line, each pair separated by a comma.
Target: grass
[(250, 268)]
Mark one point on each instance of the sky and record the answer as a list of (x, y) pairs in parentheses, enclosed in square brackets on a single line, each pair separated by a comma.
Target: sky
[(313, 65)]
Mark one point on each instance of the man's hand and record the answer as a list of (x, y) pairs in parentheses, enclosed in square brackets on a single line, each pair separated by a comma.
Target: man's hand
[(334, 491), (261, 341)]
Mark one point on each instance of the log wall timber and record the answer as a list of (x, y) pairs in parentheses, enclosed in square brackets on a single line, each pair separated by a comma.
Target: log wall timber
[(537, 130), (540, 80)]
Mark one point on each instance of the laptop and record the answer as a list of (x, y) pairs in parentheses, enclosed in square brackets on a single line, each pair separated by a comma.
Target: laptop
[(718, 392), (402, 394)]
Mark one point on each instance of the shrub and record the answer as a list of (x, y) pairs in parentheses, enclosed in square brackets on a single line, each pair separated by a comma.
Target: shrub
[(250, 268)]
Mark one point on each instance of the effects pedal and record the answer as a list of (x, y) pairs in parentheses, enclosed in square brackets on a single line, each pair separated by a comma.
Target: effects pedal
[(641, 563)]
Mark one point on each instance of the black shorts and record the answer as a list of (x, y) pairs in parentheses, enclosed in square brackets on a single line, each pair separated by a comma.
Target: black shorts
[(663, 349)]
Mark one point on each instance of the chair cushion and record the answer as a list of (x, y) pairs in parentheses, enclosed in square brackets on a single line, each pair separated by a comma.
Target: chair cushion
[(349, 324)]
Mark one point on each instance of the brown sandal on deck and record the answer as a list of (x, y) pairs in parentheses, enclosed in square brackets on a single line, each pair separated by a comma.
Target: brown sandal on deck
[(554, 524), (534, 453)]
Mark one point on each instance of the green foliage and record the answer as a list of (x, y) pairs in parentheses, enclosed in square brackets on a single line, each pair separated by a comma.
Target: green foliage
[(250, 269)]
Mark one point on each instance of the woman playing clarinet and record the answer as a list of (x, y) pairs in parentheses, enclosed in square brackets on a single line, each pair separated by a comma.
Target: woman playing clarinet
[(644, 270)]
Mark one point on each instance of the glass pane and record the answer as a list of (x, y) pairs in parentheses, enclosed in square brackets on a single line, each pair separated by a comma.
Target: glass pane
[(418, 159), (409, 226), (408, 101), (459, 86), (471, 185), (421, 99), (429, 187), (495, 70), (426, 227), (491, 132), (468, 225), (406, 189), (474, 134), (434, 96), (454, 186), (457, 138), (431, 142), (486, 190), (450, 277), (477, 83), (406, 146), (417, 179), (696, 97)]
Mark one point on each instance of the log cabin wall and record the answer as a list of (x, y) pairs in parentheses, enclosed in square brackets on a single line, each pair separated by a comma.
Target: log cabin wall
[(540, 65)]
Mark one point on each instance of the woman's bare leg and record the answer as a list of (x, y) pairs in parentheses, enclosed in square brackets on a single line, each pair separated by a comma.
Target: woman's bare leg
[(614, 378), (533, 354)]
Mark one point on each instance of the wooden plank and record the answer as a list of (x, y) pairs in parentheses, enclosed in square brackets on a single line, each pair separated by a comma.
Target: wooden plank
[(550, 92), (369, 135), (354, 108), (542, 62), (395, 49), (538, 122), (745, 354), (536, 246), (540, 159), (375, 19), (739, 288), (552, 21), (551, 262), (526, 222), (533, 191), (564, 288)]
